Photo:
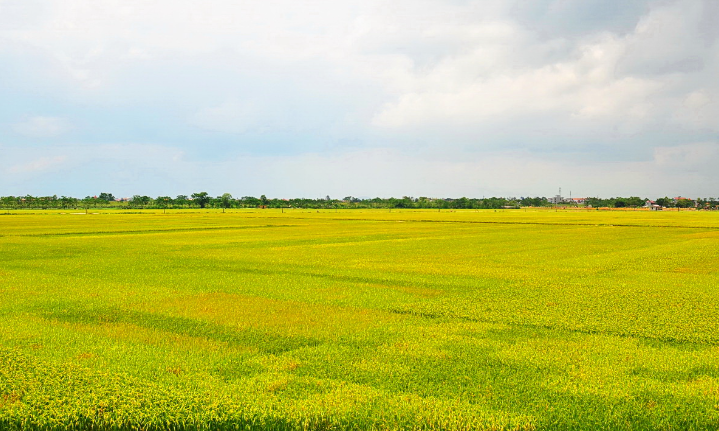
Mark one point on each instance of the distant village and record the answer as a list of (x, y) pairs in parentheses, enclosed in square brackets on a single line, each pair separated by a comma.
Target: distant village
[(227, 201), (635, 202)]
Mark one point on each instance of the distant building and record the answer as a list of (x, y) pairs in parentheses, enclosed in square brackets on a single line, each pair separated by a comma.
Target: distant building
[(558, 199), (652, 205)]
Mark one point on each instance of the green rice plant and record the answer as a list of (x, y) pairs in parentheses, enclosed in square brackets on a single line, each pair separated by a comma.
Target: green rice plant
[(359, 319)]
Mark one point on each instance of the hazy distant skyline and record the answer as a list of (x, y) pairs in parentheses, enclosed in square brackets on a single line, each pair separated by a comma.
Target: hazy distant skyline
[(364, 98)]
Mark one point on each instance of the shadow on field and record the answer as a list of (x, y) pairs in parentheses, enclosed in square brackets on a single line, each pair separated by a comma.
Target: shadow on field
[(264, 341)]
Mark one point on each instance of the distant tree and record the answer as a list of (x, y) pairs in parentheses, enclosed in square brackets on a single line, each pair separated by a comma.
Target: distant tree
[(88, 201), (635, 201), (27, 201), (533, 202), (68, 202), (405, 202), (264, 201), (9, 201), (493, 203), (181, 200), (46, 202), (139, 201), (594, 202), (461, 203), (225, 201), (251, 202), (684, 203), (424, 202), (163, 202), (665, 202), (201, 199), (107, 197)]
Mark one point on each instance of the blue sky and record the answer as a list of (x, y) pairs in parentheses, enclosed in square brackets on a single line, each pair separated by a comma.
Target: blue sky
[(363, 98)]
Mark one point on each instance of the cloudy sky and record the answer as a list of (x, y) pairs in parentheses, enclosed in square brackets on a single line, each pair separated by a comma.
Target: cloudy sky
[(365, 98)]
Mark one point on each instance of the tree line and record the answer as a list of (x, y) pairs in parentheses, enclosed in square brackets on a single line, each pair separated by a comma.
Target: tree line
[(666, 202), (227, 201)]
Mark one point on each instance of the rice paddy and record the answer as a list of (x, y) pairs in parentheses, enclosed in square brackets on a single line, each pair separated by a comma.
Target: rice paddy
[(359, 319)]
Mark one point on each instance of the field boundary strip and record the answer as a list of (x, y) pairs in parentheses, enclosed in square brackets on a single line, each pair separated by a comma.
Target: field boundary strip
[(506, 222), (123, 232)]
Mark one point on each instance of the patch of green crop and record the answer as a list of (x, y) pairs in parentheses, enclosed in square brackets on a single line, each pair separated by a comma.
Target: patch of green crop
[(330, 320)]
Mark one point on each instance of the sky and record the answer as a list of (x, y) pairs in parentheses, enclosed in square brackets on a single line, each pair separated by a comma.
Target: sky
[(360, 98)]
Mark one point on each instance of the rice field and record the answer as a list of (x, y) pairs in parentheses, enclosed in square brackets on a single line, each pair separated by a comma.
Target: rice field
[(359, 319)]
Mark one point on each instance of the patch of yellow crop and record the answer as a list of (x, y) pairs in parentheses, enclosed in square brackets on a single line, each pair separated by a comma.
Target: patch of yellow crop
[(287, 317), (360, 320), (128, 332)]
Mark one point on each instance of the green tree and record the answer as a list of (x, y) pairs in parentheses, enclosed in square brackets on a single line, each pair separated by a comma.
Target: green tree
[(68, 202), (665, 202), (163, 202), (201, 199), (107, 197), (461, 203), (250, 202), (635, 201), (225, 201), (684, 203), (138, 201), (9, 201), (89, 201), (181, 200)]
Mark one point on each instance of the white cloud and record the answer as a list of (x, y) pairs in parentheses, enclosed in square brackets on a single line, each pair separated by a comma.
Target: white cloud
[(229, 117), (699, 110), (38, 165), (127, 169), (387, 172), (612, 83), (702, 155), (42, 127), (81, 169), (594, 92)]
